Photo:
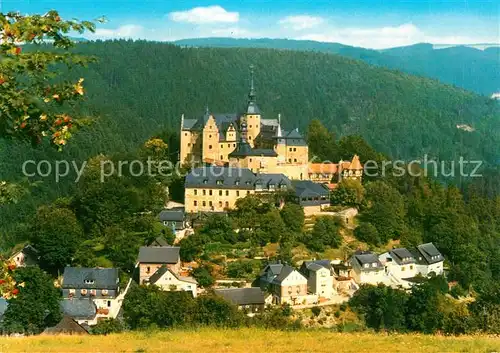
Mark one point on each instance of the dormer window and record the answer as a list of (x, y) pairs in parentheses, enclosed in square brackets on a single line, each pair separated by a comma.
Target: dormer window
[(366, 265), (374, 264), (272, 186), (248, 182), (220, 182), (89, 281), (237, 182), (205, 181)]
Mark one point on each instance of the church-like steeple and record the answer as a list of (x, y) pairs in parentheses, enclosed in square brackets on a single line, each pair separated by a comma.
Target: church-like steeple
[(252, 107), (251, 94)]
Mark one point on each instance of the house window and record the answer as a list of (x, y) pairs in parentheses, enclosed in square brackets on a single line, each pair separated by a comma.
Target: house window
[(195, 203), (289, 160), (234, 145), (210, 136), (189, 145), (209, 147), (228, 145), (221, 157), (148, 269), (250, 159), (248, 192), (295, 159), (195, 192), (204, 203), (290, 149), (109, 303), (403, 268), (411, 267), (250, 126), (249, 137), (237, 193)]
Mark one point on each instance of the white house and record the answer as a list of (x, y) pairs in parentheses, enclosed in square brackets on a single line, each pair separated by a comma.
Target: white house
[(289, 286), (429, 261), (366, 268), (400, 265), (319, 276), (27, 256), (168, 280)]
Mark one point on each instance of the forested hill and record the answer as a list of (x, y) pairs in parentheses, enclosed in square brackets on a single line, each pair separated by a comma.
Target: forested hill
[(139, 88), (469, 68)]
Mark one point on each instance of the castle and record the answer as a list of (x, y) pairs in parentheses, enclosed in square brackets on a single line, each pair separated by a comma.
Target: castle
[(248, 141)]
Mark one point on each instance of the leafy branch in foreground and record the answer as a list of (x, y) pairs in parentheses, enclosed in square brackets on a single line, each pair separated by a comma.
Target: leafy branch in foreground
[(34, 97)]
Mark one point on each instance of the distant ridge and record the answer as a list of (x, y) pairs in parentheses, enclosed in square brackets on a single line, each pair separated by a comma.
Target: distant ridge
[(471, 66)]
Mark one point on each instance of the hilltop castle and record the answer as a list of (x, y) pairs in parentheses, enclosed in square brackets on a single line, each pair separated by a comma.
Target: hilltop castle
[(247, 140)]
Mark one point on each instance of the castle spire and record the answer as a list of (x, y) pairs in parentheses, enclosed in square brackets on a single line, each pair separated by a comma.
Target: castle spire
[(278, 132), (251, 94)]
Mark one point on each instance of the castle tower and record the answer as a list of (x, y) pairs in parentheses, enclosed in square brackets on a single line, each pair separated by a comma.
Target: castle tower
[(210, 138), (280, 146), (252, 114)]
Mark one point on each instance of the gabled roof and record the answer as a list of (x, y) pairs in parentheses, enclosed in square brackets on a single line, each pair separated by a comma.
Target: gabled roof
[(242, 296), (429, 253), (307, 188), (172, 215), (402, 256), (275, 269), (316, 265), (163, 270), (221, 177), (367, 258), (83, 277), (159, 254), (323, 168), (67, 325), (80, 309), (285, 272)]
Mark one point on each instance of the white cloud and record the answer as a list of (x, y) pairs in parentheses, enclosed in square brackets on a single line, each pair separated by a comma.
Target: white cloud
[(302, 22), (125, 31), (205, 15), (377, 38)]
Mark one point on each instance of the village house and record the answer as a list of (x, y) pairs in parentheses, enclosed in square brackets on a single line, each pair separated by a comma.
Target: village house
[(319, 274), (27, 256), (268, 274), (91, 294), (429, 261), (313, 197), (168, 280), (151, 258), (289, 286), (400, 266), (174, 219), (367, 268), (251, 300), (67, 326)]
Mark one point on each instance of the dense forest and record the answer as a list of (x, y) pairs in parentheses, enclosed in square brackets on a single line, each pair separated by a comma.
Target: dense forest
[(138, 89), (469, 68)]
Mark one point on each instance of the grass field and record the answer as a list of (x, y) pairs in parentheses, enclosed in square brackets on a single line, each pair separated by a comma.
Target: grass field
[(250, 340)]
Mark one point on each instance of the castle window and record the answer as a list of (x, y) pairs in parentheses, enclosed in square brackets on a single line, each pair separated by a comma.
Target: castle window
[(295, 159), (290, 149), (209, 147), (250, 126), (210, 203), (219, 182), (220, 192), (234, 145), (249, 137), (204, 192), (204, 203), (250, 159), (237, 193), (289, 160), (189, 145), (185, 134), (195, 192), (237, 182), (195, 203), (210, 192), (229, 145), (227, 192), (248, 192), (295, 150), (209, 136), (220, 203), (227, 204), (221, 157)]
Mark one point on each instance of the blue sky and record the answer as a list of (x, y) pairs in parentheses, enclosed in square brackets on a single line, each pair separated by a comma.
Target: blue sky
[(367, 23)]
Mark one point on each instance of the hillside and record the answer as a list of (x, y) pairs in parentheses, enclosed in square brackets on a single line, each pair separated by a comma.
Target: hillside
[(244, 340), (140, 88), (466, 67)]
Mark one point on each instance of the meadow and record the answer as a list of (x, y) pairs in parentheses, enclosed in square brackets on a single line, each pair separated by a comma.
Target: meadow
[(250, 340)]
